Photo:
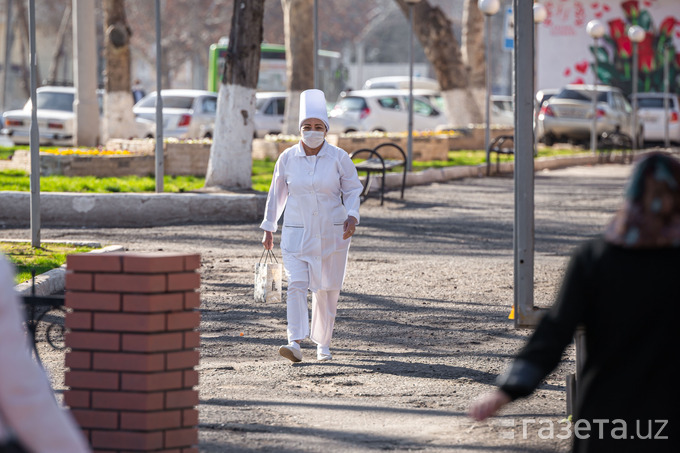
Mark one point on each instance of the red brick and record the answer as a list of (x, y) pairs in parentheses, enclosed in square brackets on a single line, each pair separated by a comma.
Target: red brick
[(181, 437), (192, 299), (182, 281), (190, 417), (151, 382), (93, 301), (153, 263), (130, 283), (150, 421), (127, 440), (192, 262), (93, 380), (78, 360), (181, 398), (153, 303), (187, 320), (132, 401), (190, 378), (81, 320), (182, 360), (192, 339), (129, 322), (96, 419), (77, 398), (78, 281), (153, 342), (121, 361), (95, 262), (92, 341), (190, 450)]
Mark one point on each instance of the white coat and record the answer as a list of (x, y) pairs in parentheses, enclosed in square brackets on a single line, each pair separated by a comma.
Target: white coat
[(318, 194), (27, 405)]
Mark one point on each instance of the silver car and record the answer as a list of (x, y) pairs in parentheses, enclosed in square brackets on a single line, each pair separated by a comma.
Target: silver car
[(269, 113), (568, 116), (55, 117), (651, 112), (186, 113)]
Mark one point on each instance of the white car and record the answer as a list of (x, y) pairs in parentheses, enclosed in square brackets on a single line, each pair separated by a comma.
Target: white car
[(400, 83), (382, 110), (269, 113), (186, 113), (55, 117), (651, 112)]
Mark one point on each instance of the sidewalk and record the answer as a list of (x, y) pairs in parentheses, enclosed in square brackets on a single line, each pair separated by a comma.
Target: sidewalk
[(422, 325)]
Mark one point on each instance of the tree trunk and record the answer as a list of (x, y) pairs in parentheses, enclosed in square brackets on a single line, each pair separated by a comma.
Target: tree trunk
[(473, 50), (230, 164), (434, 32), (59, 49), (298, 27), (118, 119)]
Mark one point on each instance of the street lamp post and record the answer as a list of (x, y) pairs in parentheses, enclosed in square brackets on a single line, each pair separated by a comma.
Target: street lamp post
[(666, 99), (596, 30), (488, 8), (409, 164), (636, 35), (540, 14)]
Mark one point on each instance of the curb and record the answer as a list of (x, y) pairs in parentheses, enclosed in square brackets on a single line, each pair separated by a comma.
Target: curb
[(54, 280)]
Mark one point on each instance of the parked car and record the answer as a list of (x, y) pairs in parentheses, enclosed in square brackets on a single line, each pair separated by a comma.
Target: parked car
[(186, 113), (651, 112), (269, 113), (382, 110), (545, 94), (568, 116), (55, 117), (400, 83)]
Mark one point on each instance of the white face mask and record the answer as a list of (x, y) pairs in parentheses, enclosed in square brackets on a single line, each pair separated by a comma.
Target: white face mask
[(313, 139)]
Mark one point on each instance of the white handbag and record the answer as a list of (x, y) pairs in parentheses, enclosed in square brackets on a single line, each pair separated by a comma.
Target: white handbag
[(268, 278)]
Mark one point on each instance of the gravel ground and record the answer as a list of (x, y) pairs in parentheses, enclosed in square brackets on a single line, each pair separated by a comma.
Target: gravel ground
[(422, 326)]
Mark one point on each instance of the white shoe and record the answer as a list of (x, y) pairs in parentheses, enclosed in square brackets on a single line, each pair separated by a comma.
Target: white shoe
[(323, 353), (291, 351)]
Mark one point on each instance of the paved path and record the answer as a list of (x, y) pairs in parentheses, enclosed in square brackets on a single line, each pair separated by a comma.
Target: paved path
[(422, 327)]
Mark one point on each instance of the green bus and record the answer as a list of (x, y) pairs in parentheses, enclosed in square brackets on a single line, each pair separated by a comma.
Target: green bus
[(272, 66)]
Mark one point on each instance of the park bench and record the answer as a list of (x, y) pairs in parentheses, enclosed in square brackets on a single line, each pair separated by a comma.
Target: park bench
[(614, 140), (375, 163), (502, 144)]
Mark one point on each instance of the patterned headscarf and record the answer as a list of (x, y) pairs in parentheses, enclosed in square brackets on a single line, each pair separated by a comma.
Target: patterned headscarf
[(650, 217)]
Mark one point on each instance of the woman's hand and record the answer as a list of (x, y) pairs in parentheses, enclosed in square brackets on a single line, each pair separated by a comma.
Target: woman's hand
[(268, 240), (348, 227), (488, 405)]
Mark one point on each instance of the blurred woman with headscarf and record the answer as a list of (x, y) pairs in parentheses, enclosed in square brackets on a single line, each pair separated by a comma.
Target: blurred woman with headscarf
[(623, 289)]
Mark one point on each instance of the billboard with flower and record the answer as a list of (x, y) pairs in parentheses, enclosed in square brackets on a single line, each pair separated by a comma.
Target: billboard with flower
[(565, 52)]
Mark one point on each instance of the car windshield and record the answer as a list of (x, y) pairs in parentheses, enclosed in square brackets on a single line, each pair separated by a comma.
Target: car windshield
[(653, 103), (169, 102), (581, 95), (50, 100), (352, 103)]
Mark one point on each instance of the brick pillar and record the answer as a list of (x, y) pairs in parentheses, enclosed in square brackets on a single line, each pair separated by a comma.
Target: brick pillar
[(133, 339)]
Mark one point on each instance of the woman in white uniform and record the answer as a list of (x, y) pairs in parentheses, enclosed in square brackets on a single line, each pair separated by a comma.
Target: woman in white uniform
[(29, 414), (319, 188)]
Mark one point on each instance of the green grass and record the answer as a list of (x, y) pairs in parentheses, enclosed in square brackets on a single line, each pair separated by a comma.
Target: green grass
[(27, 258), (262, 175)]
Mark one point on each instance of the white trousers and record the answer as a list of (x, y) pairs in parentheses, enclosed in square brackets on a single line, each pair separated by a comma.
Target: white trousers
[(324, 305)]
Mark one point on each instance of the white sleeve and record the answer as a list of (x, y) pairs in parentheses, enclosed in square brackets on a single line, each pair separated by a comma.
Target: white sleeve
[(27, 403), (350, 185), (277, 197)]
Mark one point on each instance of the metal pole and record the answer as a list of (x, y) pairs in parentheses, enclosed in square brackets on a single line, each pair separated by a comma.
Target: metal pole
[(487, 134), (635, 102), (34, 134), (316, 44), (8, 52), (593, 126), (666, 89), (159, 104), (410, 90), (525, 314)]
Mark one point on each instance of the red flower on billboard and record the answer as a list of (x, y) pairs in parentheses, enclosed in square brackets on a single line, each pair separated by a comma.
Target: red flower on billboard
[(667, 25), (646, 53), (617, 28), (632, 9)]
